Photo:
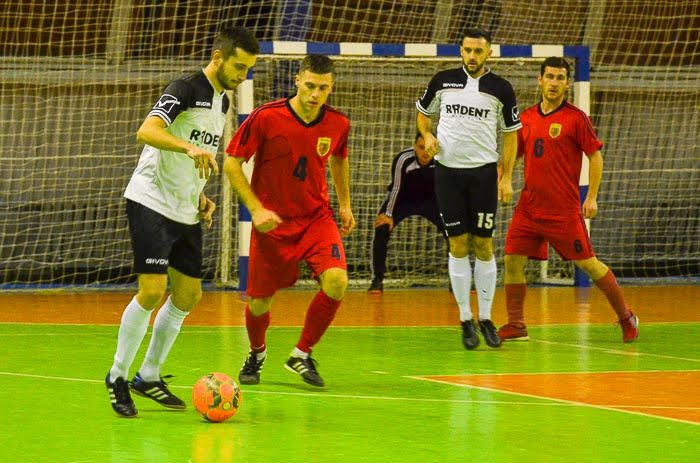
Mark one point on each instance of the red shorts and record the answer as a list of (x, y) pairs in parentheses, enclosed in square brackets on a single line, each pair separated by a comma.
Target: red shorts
[(528, 236), (274, 258)]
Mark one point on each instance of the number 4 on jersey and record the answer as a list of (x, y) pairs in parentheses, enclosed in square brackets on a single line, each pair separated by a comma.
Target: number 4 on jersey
[(300, 169)]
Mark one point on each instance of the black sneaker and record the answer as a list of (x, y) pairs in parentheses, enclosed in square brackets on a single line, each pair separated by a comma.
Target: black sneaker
[(250, 373), (489, 332), (377, 287), (120, 398), (469, 337), (306, 367), (156, 390)]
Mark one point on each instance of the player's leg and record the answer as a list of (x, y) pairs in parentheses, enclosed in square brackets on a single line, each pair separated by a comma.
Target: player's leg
[(605, 280), (483, 203), (522, 240), (151, 241), (184, 272), (272, 265), (451, 193), (380, 243), (257, 321), (325, 255)]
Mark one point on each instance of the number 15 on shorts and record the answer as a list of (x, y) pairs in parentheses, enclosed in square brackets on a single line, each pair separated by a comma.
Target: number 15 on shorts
[(484, 220)]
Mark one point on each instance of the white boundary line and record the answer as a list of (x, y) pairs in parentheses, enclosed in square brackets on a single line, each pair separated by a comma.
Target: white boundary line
[(563, 401)]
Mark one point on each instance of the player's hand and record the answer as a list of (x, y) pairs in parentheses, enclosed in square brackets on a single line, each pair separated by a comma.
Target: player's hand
[(383, 219), (204, 161), (590, 208), (505, 190), (206, 210), (347, 221), (431, 145), (265, 220), (499, 169)]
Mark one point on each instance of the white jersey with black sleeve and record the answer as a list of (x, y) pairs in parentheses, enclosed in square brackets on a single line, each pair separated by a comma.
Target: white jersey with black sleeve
[(472, 112), (167, 181)]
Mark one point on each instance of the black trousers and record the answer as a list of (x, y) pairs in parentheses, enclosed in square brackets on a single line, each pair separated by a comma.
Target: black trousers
[(380, 242)]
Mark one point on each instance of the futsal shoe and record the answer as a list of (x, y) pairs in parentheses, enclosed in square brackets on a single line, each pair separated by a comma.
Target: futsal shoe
[(306, 368), (250, 373), (376, 288), (511, 332), (489, 331), (630, 328), (120, 398), (469, 336), (156, 390)]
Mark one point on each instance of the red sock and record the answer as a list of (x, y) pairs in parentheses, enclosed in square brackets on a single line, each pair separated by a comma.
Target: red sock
[(608, 284), (319, 316), (515, 300), (257, 327)]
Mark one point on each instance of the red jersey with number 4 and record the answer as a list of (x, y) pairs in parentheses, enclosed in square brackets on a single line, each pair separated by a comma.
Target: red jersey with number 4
[(289, 176), (553, 145)]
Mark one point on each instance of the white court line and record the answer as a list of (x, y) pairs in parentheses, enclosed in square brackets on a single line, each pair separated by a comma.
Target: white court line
[(563, 373), (313, 394), (616, 351), (611, 408)]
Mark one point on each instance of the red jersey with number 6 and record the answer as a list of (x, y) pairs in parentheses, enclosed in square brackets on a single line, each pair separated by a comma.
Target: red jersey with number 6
[(289, 176), (553, 145)]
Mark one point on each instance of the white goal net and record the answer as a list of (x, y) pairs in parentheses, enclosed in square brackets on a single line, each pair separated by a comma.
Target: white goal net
[(77, 78)]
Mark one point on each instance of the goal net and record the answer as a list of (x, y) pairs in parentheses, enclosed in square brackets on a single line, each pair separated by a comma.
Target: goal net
[(77, 78)]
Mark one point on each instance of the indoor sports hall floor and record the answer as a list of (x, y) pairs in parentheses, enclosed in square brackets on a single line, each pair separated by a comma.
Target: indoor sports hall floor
[(400, 386)]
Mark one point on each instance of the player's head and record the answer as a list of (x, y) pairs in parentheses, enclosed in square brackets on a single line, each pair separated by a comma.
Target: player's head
[(554, 79), (314, 82), (419, 148), (234, 53), (475, 50)]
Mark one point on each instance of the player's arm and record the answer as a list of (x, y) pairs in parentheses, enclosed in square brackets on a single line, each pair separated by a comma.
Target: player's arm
[(264, 220), (206, 209), (152, 132), (510, 150), (340, 172), (425, 127), (595, 175)]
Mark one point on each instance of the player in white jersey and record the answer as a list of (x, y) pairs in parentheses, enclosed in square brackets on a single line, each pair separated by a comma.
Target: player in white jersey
[(474, 105), (165, 203)]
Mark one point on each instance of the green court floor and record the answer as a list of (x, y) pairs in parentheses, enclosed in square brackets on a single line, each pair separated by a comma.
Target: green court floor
[(377, 406)]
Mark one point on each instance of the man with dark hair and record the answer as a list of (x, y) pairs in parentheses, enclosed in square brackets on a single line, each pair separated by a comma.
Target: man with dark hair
[(474, 105), (165, 203), (293, 139), (554, 136), (411, 192)]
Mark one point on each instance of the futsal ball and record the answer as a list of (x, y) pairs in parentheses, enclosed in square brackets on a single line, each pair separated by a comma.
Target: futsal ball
[(216, 397)]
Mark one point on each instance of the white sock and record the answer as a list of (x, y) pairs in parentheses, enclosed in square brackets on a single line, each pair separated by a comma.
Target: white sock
[(131, 332), (166, 327), (485, 273), (460, 270), (261, 355), (299, 353)]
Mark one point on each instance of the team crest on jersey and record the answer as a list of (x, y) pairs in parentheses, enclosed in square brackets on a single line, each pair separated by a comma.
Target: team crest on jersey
[(554, 130), (323, 145)]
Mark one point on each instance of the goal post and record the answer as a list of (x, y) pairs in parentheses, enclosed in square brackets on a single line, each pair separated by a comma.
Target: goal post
[(395, 68)]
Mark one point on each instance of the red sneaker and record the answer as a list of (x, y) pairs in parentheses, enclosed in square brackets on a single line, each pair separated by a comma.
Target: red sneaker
[(630, 328), (511, 332)]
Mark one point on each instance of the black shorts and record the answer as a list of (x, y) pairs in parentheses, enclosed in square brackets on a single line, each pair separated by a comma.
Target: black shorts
[(467, 199), (159, 242)]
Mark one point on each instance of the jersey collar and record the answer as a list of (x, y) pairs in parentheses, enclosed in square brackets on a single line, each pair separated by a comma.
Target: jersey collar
[(318, 119), (539, 108), (201, 71), (487, 71)]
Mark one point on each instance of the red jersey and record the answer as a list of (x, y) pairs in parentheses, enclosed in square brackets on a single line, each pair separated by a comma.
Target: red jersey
[(289, 176), (553, 145)]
